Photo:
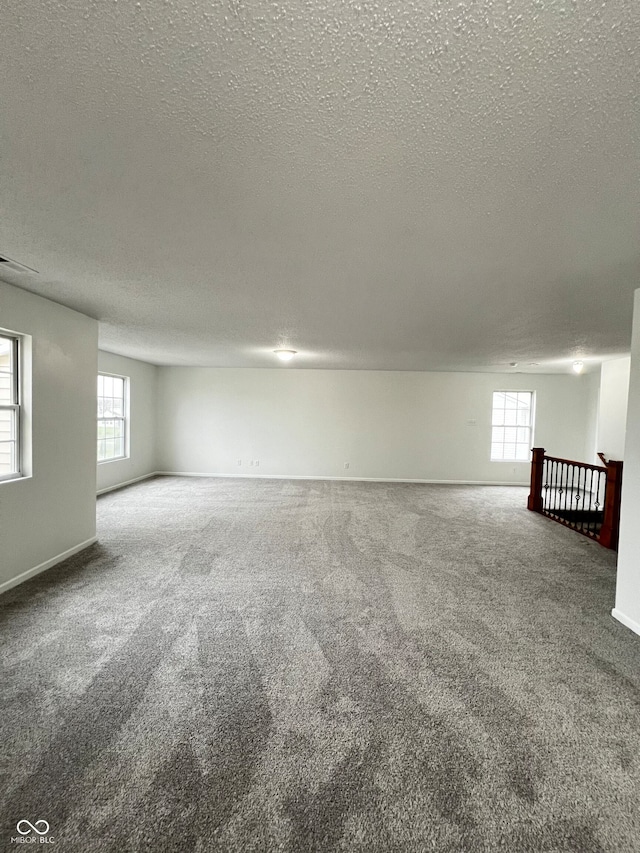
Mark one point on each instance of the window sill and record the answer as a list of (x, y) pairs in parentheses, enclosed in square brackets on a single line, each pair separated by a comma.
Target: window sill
[(14, 478), (116, 459)]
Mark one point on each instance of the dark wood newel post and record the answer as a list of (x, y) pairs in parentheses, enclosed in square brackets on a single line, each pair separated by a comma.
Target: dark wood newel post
[(611, 522), (537, 469)]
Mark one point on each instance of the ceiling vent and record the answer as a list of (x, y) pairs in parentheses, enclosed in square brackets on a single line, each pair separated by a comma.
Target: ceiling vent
[(9, 265)]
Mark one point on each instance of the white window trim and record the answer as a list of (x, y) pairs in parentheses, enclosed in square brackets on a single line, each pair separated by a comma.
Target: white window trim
[(531, 427), (16, 407), (125, 419)]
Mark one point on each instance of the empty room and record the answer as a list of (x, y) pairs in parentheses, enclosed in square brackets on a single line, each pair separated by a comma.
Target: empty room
[(320, 426)]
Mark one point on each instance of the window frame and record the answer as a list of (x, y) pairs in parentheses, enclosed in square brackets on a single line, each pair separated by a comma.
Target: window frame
[(124, 418), (16, 406), (530, 427)]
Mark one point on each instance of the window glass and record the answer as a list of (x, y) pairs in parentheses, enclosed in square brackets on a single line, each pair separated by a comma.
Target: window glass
[(112, 415), (511, 425), (9, 408)]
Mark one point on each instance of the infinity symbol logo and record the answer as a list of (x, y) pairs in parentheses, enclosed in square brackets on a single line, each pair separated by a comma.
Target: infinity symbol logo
[(32, 827)]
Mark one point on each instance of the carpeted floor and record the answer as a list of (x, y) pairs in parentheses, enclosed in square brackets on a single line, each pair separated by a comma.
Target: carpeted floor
[(256, 665)]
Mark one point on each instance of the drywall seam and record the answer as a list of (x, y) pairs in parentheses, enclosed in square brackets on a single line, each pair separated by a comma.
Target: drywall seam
[(48, 564)]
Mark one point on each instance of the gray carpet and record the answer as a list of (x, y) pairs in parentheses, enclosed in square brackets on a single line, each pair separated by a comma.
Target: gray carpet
[(318, 666)]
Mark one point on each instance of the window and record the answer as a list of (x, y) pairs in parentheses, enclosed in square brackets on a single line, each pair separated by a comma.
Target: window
[(511, 425), (112, 417), (9, 407)]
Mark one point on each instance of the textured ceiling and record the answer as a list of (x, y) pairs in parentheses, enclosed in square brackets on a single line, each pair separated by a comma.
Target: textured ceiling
[(408, 184)]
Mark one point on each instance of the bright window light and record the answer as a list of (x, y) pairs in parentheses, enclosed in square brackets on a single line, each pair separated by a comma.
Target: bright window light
[(112, 417), (511, 426), (9, 407)]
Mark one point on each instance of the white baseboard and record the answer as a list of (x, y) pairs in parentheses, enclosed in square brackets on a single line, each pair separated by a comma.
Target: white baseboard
[(30, 573), (342, 479), (126, 483), (628, 623)]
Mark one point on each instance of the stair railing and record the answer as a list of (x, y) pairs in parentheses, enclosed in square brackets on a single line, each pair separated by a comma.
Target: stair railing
[(584, 497)]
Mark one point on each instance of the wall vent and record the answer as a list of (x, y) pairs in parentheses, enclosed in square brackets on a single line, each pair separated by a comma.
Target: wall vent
[(7, 264)]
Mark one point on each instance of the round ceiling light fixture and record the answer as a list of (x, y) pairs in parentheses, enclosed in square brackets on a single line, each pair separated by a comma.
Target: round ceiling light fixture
[(285, 354), (578, 366)]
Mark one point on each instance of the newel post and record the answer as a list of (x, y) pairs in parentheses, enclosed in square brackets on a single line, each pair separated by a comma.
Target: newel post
[(537, 470), (611, 522)]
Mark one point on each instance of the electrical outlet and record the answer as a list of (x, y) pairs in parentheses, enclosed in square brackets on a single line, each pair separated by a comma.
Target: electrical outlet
[(239, 461), (251, 463), (346, 464), (257, 462)]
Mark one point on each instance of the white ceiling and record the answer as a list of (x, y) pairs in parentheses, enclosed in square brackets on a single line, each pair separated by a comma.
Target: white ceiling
[(407, 184)]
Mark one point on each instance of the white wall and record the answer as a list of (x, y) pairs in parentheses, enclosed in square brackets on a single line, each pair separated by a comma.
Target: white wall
[(142, 421), (593, 410), (627, 608), (53, 510), (612, 407), (404, 425)]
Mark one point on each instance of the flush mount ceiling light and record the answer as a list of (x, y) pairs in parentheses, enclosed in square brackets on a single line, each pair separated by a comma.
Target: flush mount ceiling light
[(285, 354), (578, 367)]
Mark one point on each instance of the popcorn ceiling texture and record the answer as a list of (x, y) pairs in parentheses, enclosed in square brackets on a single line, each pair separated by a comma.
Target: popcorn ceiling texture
[(404, 185)]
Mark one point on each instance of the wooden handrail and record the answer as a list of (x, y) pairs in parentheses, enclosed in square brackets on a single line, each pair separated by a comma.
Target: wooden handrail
[(573, 462)]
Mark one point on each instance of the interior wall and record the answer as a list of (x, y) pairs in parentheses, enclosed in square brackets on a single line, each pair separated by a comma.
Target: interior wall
[(142, 421), (385, 424), (627, 608), (52, 511), (593, 409), (612, 407)]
